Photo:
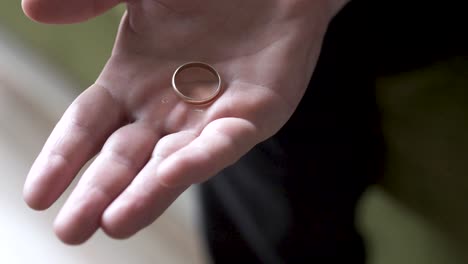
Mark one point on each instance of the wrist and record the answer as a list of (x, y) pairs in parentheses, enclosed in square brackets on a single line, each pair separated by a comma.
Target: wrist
[(336, 5), (318, 10)]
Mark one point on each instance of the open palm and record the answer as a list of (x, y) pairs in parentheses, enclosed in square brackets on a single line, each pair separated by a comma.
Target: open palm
[(151, 145)]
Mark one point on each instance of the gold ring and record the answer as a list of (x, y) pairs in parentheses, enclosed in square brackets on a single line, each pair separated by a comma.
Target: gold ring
[(193, 100)]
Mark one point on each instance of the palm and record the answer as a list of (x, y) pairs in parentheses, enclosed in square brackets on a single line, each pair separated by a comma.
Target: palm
[(151, 144)]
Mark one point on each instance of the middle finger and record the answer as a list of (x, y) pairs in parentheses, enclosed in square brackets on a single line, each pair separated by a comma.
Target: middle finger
[(121, 158)]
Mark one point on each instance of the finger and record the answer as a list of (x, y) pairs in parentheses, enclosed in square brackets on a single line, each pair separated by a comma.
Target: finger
[(121, 158), (189, 160), (145, 199), (219, 145), (77, 137), (64, 12)]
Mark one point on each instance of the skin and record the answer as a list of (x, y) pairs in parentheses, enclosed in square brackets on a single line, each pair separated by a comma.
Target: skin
[(150, 146)]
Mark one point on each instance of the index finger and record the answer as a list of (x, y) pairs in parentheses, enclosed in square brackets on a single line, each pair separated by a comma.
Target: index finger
[(70, 11)]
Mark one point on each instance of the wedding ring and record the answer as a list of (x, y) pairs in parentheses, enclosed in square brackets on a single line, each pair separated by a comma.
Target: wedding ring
[(191, 93)]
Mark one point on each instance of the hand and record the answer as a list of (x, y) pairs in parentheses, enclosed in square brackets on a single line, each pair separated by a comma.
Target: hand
[(150, 145)]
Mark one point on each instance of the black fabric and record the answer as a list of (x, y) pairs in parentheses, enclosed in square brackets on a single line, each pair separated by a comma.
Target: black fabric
[(411, 34), (292, 199)]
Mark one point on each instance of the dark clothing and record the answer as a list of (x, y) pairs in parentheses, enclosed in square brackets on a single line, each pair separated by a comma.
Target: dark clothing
[(292, 199)]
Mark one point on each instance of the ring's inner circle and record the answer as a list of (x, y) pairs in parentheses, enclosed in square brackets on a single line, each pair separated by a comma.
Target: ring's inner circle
[(196, 82)]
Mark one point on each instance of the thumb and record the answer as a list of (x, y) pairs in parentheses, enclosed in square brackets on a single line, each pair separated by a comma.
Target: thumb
[(66, 11)]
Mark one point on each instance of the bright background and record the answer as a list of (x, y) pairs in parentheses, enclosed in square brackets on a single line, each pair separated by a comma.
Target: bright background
[(417, 215)]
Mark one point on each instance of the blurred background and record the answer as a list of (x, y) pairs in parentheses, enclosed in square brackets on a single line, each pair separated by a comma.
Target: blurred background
[(418, 214)]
